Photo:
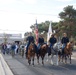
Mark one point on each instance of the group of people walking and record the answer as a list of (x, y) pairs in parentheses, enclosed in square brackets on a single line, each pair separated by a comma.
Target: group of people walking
[(8, 47)]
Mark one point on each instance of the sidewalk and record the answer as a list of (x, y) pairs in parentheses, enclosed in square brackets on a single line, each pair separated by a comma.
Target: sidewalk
[(4, 68), (1, 69)]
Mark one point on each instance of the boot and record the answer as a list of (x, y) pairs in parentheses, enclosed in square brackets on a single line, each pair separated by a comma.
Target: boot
[(62, 51)]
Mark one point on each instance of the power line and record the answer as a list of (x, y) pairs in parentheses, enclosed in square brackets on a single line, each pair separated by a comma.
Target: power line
[(42, 14), (45, 14), (12, 30)]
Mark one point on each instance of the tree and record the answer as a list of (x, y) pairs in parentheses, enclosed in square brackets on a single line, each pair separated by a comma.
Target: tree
[(66, 24), (43, 27), (6, 37), (68, 20)]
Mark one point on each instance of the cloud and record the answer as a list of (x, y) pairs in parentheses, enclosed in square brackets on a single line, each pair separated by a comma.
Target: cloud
[(29, 1), (64, 0), (16, 1), (62, 6), (6, 1), (21, 21)]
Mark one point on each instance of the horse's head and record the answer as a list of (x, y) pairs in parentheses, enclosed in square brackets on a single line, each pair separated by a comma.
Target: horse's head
[(44, 48), (32, 47), (69, 46), (57, 46)]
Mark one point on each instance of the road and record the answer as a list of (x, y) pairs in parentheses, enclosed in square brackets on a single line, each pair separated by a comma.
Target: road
[(48, 69)]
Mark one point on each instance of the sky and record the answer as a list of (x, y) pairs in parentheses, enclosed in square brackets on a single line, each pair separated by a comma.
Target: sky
[(16, 16)]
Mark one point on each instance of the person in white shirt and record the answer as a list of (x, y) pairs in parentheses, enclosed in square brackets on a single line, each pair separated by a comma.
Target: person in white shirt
[(16, 48)]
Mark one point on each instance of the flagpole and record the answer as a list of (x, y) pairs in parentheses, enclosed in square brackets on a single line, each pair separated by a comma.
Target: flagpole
[(36, 32), (49, 32)]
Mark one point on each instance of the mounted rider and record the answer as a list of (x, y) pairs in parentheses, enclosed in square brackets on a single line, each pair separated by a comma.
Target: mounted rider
[(64, 41), (40, 41), (52, 41), (30, 39)]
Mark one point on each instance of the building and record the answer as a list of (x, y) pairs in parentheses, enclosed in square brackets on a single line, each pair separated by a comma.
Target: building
[(9, 38)]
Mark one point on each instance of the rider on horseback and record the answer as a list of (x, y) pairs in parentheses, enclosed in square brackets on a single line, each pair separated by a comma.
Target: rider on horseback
[(52, 41), (30, 40), (64, 41), (40, 41)]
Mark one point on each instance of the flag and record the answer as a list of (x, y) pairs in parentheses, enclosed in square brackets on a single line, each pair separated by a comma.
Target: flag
[(36, 32), (49, 32)]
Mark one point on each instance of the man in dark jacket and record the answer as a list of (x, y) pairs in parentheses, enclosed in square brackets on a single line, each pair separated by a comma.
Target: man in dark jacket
[(64, 41), (52, 40), (4, 47), (13, 46), (40, 41), (29, 39)]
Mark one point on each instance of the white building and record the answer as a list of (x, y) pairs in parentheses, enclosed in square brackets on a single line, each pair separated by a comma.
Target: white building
[(10, 38)]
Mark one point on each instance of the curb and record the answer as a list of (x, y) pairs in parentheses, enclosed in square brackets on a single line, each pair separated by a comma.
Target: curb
[(5, 67)]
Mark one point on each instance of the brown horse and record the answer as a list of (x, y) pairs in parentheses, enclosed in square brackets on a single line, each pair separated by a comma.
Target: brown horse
[(31, 53), (67, 52), (42, 53)]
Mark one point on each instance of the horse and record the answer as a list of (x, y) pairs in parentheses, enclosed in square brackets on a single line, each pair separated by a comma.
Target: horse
[(67, 52), (54, 51), (42, 53), (31, 53)]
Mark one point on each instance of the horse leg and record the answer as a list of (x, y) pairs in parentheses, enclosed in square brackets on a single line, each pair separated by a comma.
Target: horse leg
[(29, 60), (57, 60), (42, 60), (70, 58), (38, 59), (52, 59), (65, 59), (62, 57), (33, 60), (47, 58)]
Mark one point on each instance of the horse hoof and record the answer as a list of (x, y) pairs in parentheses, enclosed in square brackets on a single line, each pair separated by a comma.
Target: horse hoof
[(57, 64), (43, 64), (52, 63), (38, 63), (65, 63), (47, 60), (28, 64), (33, 65)]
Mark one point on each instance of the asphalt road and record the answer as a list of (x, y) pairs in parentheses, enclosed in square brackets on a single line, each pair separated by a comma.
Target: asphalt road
[(48, 69)]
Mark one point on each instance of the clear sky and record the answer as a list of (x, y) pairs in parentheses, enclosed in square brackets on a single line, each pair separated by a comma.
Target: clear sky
[(19, 15)]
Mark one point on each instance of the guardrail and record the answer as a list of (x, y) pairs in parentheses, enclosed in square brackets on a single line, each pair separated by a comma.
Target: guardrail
[(5, 70)]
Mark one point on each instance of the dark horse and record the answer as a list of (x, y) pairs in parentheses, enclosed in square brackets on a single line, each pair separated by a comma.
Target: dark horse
[(67, 52), (42, 53), (31, 53)]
